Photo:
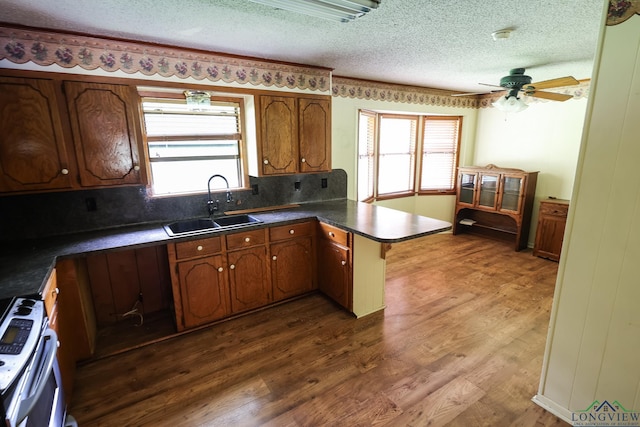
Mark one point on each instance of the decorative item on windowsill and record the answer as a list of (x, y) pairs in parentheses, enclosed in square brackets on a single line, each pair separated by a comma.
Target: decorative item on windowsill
[(197, 99)]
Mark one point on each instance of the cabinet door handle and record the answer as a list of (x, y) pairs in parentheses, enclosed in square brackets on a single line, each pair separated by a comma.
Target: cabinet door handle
[(247, 239), (265, 161), (64, 171), (199, 248), (332, 234), (344, 262), (220, 269), (292, 231), (274, 258), (136, 168), (232, 267), (303, 160), (56, 291)]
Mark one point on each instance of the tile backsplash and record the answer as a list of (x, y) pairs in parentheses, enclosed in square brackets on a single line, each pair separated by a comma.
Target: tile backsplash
[(49, 214)]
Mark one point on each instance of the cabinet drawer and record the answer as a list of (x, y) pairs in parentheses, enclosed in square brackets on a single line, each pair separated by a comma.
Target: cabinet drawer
[(334, 234), (50, 293), (556, 209), (245, 239), (285, 232), (198, 247)]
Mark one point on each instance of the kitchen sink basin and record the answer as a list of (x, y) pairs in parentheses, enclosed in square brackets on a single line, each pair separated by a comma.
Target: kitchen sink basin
[(236, 220), (190, 226), (205, 225)]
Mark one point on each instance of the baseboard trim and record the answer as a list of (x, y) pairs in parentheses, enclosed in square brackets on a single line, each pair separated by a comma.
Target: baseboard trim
[(553, 407)]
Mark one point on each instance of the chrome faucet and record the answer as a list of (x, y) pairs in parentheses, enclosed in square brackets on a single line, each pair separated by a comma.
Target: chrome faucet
[(212, 206)]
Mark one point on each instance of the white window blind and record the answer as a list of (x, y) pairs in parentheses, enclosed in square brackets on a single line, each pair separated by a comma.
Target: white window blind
[(186, 145), (396, 155), (366, 155), (440, 153)]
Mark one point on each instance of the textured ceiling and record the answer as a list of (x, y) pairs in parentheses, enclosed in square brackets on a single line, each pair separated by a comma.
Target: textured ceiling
[(432, 43)]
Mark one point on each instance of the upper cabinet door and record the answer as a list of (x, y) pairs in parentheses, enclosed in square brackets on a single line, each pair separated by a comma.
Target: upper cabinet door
[(279, 135), (105, 130), (33, 155), (315, 132)]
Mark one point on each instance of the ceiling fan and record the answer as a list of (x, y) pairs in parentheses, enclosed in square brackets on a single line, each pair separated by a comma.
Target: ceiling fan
[(517, 82)]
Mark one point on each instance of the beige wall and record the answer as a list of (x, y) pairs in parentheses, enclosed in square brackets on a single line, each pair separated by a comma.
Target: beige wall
[(593, 345)]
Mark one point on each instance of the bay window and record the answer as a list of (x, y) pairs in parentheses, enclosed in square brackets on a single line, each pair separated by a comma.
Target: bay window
[(400, 155)]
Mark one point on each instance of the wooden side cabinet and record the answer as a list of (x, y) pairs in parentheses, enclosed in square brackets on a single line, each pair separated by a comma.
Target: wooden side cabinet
[(495, 202), (552, 219)]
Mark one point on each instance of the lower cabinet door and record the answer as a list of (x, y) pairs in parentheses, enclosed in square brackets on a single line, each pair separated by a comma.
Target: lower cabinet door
[(248, 279), (204, 290), (334, 272), (292, 268)]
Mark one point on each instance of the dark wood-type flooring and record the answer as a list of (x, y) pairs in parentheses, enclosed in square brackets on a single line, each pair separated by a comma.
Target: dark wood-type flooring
[(460, 344)]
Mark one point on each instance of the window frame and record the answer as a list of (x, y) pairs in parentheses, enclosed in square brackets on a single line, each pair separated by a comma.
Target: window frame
[(418, 156), (172, 94)]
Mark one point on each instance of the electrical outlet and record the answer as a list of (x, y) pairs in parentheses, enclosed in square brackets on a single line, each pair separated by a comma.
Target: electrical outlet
[(296, 185), (324, 183), (255, 190)]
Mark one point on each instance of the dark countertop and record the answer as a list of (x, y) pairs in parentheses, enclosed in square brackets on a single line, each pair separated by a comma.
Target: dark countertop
[(26, 265)]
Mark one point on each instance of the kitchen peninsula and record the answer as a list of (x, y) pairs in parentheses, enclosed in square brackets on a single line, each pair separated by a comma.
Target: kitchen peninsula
[(25, 268)]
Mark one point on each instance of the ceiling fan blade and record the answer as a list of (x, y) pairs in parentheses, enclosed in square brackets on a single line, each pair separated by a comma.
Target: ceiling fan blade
[(475, 93), (548, 84), (487, 84), (549, 95)]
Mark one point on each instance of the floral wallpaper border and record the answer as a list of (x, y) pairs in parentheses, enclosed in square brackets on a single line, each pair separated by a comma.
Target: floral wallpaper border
[(90, 53), (621, 10), (345, 87)]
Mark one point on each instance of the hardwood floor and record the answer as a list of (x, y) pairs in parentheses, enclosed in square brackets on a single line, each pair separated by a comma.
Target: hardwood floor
[(459, 344)]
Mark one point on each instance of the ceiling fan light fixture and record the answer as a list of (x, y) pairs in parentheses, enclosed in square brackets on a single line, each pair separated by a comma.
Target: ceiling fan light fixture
[(510, 104), (333, 10)]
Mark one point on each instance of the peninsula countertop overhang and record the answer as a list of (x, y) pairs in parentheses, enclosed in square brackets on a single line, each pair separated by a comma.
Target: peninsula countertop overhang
[(25, 266)]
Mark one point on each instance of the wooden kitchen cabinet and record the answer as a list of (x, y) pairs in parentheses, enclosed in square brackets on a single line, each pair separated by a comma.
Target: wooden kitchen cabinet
[(495, 202), (199, 281), (57, 135), (204, 290), (106, 132), (33, 146), (248, 271), (552, 220), (335, 271), (314, 130), (293, 264), (294, 134)]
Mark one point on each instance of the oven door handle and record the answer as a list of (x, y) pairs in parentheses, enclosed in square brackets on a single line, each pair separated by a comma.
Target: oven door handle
[(28, 403)]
